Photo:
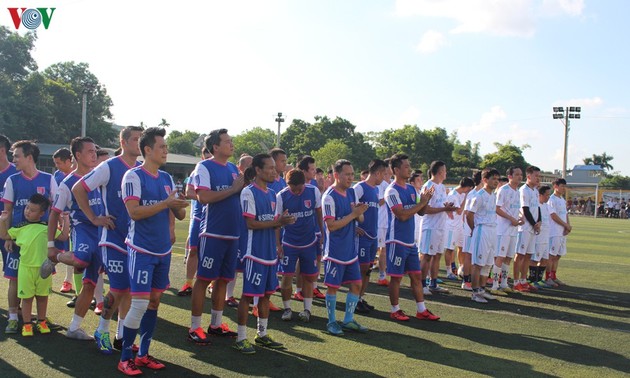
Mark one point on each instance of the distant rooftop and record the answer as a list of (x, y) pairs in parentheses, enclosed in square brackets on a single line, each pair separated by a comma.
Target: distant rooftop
[(588, 167)]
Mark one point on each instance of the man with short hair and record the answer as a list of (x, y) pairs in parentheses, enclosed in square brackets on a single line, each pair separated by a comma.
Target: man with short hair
[(307, 165), (560, 228), (482, 218), (539, 260), (85, 257), (218, 185), (454, 239), (402, 252), (526, 240), (465, 259), (152, 202), (383, 225), (63, 162), (192, 242), (341, 211), (244, 162), (113, 226), (366, 192), (432, 226), (508, 220), (260, 259), (6, 169), (18, 188), (297, 243)]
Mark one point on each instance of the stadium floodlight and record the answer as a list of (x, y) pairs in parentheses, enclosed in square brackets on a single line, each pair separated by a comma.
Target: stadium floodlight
[(567, 113), (279, 119)]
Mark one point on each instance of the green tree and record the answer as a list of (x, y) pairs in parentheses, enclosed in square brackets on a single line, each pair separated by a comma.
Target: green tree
[(602, 160), (164, 123), (79, 79), (616, 181), (303, 138), (182, 143), (506, 156), (422, 146), (332, 151), (254, 141), (16, 61)]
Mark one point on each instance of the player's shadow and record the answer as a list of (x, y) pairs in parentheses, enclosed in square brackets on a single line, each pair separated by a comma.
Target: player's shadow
[(523, 304), (554, 297), (461, 358), (580, 354), (65, 356), (265, 362)]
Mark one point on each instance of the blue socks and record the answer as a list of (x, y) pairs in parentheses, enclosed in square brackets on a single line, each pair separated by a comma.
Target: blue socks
[(331, 305), (351, 304), (129, 335), (147, 326)]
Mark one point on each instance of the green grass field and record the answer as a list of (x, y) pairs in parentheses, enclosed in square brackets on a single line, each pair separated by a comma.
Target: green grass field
[(582, 329)]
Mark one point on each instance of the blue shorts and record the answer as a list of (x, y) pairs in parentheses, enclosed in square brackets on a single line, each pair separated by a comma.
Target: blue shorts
[(367, 250), (306, 256), (259, 279), (63, 245), (11, 262), (147, 272), (402, 260), (336, 274), (115, 264), (86, 252), (217, 259), (193, 234)]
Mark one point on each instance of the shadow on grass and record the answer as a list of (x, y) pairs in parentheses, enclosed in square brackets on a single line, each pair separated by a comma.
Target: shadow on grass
[(265, 362), (537, 305)]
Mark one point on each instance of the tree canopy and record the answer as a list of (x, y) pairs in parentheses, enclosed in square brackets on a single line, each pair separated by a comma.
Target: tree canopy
[(34, 104), (602, 160)]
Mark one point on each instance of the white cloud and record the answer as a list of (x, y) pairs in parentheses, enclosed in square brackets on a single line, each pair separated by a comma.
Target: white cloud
[(431, 41), (492, 127), (498, 17)]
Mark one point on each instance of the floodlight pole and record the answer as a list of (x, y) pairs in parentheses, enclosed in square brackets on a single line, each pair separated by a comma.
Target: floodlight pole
[(279, 120), (566, 142), (84, 113), (567, 113)]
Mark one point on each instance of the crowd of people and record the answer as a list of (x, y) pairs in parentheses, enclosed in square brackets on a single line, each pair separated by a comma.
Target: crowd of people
[(264, 219)]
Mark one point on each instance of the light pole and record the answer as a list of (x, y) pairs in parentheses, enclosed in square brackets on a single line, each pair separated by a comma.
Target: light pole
[(279, 119), (565, 115), (84, 112), (87, 88)]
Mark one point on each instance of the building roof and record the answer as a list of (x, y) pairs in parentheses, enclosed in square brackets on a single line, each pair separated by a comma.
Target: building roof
[(588, 167)]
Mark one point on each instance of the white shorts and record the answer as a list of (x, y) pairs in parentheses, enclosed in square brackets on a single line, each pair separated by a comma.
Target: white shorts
[(431, 242), (381, 235), (483, 244), (454, 239), (466, 246), (558, 245), (542, 252), (506, 246), (525, 243)]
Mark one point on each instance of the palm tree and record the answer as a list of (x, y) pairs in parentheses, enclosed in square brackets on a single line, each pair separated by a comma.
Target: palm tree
[(602, 160), (164, 123)]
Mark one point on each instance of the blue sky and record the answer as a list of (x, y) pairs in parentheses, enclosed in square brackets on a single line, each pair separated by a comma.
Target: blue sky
[(490, 70)]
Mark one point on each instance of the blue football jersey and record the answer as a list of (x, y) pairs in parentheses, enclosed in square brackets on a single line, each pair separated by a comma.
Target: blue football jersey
[(303, 233), (340, 245), (18, 189), (221, 219), (107, 177), (65, 201), (401, 232), (260, 204), (149, 235), (278, 185), (4, 175), (368, 194)]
